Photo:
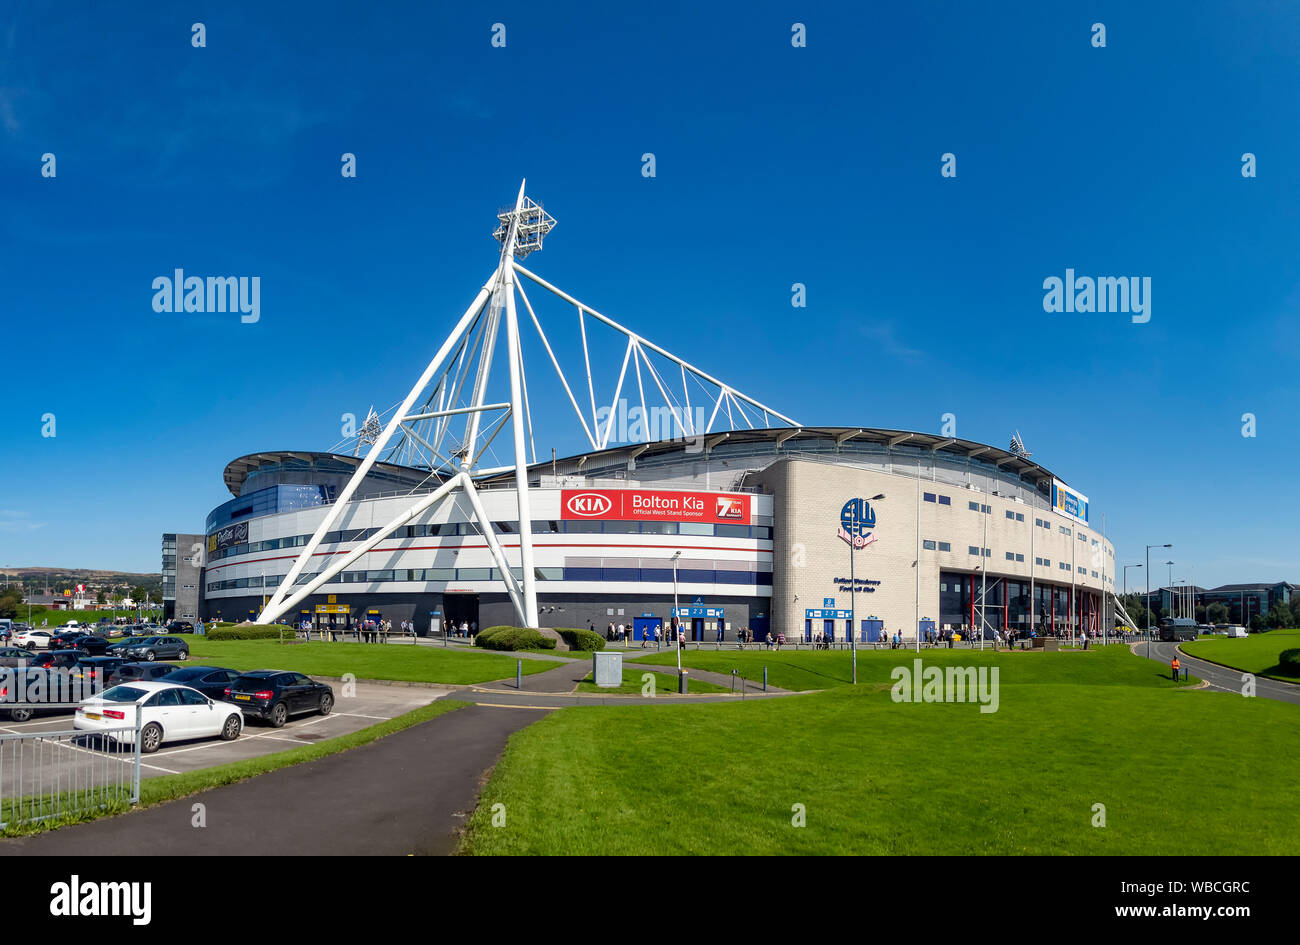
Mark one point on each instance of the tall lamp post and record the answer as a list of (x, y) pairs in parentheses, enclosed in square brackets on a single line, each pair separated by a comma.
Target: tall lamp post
[(1148, 574), (853, 612), (1126, 567), (676, 619)]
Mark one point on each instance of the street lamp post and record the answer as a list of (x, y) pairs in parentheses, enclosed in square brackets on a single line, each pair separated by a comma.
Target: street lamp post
[(853, 612), (984, 578), (676, 619), (1148, 574), (1126, 567)]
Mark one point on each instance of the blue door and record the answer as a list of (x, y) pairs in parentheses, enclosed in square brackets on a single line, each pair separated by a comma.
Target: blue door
[(927, 630), (873, 630), (807, 630), (828, 630), (642, 628), (759, 626)]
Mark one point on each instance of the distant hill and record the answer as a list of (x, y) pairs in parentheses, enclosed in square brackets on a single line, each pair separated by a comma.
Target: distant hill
[(60, 579)]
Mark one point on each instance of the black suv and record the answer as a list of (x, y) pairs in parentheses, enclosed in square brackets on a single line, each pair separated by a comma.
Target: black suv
[(180, 626), (212, 681), (274, 695)]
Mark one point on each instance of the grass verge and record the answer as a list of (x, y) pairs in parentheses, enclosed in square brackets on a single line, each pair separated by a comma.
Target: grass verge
[(364, 660), (634, 684), (1257, 653)]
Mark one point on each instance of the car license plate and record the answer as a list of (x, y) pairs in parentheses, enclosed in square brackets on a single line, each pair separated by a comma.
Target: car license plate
[(244, 698), (94, 715)]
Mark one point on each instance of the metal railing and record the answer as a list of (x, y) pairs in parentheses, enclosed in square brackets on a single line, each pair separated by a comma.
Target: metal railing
[(47, 775)]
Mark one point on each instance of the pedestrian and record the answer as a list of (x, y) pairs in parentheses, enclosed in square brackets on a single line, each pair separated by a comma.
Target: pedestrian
[(1175, 665)]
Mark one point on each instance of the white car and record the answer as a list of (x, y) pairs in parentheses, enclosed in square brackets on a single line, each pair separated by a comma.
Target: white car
[(72, 624), (170, 713), (32, 639)]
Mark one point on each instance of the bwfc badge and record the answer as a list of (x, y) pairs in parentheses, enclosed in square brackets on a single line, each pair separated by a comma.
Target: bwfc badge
[(857, 519)]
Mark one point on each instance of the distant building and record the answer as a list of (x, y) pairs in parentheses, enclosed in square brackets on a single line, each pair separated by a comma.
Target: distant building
[(1242, 600), (180, 575)]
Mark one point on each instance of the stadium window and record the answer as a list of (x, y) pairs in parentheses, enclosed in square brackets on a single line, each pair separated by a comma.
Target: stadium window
[(945, 546), (928, 545), (988, 553), (1011, 515), (1011, 556), (1020, 558), (973, 506), (928, 496), (986, 509), (1020, 516), (972, 550), (945, 500)]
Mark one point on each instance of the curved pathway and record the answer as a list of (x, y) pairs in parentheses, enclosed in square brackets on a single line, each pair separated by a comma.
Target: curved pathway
[(1219, 677)]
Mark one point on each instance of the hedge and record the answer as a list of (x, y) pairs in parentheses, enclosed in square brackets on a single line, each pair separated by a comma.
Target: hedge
[(249, 633), (581, 639), (513, 638), (1289, 661)]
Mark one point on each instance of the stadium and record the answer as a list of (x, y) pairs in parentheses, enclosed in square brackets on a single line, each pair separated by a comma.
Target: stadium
[(762, 521), (740, 519)]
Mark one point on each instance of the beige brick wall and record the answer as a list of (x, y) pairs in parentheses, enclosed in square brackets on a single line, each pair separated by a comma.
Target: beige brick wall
[(809, 556)]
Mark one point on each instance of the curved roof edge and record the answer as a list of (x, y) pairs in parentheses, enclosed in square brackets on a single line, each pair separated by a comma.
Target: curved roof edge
[(237, 470)]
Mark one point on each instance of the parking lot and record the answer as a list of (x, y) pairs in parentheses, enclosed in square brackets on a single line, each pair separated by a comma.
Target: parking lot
[(370, 704)]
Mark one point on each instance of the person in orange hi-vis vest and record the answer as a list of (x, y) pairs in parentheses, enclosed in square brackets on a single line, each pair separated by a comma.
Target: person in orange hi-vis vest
[(1175, 664)]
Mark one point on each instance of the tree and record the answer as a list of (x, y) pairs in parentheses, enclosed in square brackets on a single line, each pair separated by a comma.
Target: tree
[(1218, 613), (99, 597), (10, 600), (1257, 624)]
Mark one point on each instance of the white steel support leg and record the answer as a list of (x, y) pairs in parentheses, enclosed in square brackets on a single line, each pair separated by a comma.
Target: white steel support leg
[(498, 554), (337, 563), (521, 459), (376, 449)]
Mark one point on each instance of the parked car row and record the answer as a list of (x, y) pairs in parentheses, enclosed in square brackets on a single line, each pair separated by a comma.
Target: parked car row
[(175, 703)]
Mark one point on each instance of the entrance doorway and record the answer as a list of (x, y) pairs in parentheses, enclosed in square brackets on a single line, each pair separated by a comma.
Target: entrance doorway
[(458, 609), (697, 629)]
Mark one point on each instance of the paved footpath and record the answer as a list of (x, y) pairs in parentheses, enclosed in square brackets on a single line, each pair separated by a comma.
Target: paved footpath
[(565, 678), (408, 793)]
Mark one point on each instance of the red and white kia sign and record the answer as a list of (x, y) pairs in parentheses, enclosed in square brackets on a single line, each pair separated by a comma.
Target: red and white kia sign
[(634, 504)]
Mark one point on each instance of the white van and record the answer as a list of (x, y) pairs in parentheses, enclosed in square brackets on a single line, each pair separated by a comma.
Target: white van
[(1237, 631)]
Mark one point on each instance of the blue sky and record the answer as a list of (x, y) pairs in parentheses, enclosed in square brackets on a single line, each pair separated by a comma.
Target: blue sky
[(775, 165)]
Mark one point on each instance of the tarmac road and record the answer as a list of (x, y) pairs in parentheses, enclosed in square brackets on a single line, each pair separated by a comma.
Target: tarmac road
[(1220, 677)]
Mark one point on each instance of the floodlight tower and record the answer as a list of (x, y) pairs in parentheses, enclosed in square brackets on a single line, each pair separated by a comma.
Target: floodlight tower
[(453, 390)]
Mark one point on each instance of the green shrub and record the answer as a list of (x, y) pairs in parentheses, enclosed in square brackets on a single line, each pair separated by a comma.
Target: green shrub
[(513, 638), (1289, 660), (250, 633), (581, 639)]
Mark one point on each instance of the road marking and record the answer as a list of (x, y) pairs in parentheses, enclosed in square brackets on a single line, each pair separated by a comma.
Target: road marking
[(497, 705)]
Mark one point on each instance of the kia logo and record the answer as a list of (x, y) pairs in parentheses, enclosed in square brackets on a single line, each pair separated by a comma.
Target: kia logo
[(589, 504)]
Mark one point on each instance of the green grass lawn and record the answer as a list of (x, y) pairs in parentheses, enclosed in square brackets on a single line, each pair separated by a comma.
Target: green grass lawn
[(633, 684), (449, 665), (823, 669), (1179, 772), (1257, 653)]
